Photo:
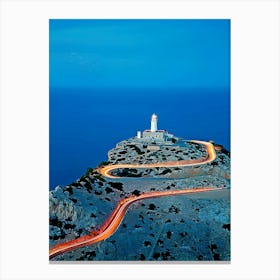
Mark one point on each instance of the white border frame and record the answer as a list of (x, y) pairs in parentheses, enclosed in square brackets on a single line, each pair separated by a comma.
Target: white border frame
[(254, 128)]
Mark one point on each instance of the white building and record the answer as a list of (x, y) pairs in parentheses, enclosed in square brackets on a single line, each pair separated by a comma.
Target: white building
[(154, 134)]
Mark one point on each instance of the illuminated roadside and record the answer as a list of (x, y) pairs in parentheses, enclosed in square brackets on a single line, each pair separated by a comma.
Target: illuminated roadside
[(211, 155), (112, 223), (114, 220)]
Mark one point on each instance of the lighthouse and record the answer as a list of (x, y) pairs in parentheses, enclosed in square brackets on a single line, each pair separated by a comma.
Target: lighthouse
[(154, 123), (154, 135)]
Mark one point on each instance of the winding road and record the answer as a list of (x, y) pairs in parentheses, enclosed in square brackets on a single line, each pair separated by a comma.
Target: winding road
[(112, 223), (210, 156)]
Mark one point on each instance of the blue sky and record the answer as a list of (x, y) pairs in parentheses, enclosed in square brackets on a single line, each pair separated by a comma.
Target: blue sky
[(139, 53)]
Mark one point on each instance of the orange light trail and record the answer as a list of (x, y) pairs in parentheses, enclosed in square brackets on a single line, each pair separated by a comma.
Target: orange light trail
[(112, 223), (211, 155)]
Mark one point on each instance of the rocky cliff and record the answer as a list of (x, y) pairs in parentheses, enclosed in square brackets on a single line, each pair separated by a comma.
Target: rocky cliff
[(193, 227)]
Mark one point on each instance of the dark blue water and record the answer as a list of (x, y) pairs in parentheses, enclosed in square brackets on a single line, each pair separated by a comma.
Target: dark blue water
[(85, 124)]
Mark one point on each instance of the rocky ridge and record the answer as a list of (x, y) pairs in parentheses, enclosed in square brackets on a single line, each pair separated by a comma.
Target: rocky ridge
[(189, 228)]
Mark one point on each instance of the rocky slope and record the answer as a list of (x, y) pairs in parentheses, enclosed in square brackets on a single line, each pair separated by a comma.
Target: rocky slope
[(192, 227)]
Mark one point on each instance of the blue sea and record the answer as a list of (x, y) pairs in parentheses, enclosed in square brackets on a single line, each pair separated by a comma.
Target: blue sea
[(86, 123)]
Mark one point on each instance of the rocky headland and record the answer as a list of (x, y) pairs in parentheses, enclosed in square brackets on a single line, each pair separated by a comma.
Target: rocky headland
[(193, 227)]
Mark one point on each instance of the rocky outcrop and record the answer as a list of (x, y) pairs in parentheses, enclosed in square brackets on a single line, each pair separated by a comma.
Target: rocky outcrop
[(63, 209), (186, 227), (134, 151)]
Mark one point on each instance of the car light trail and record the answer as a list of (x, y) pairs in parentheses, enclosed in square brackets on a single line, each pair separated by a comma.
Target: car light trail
[(211, 155), (112, 223)]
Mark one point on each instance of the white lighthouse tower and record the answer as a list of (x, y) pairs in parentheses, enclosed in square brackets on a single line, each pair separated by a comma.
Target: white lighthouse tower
[(154, 123)]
